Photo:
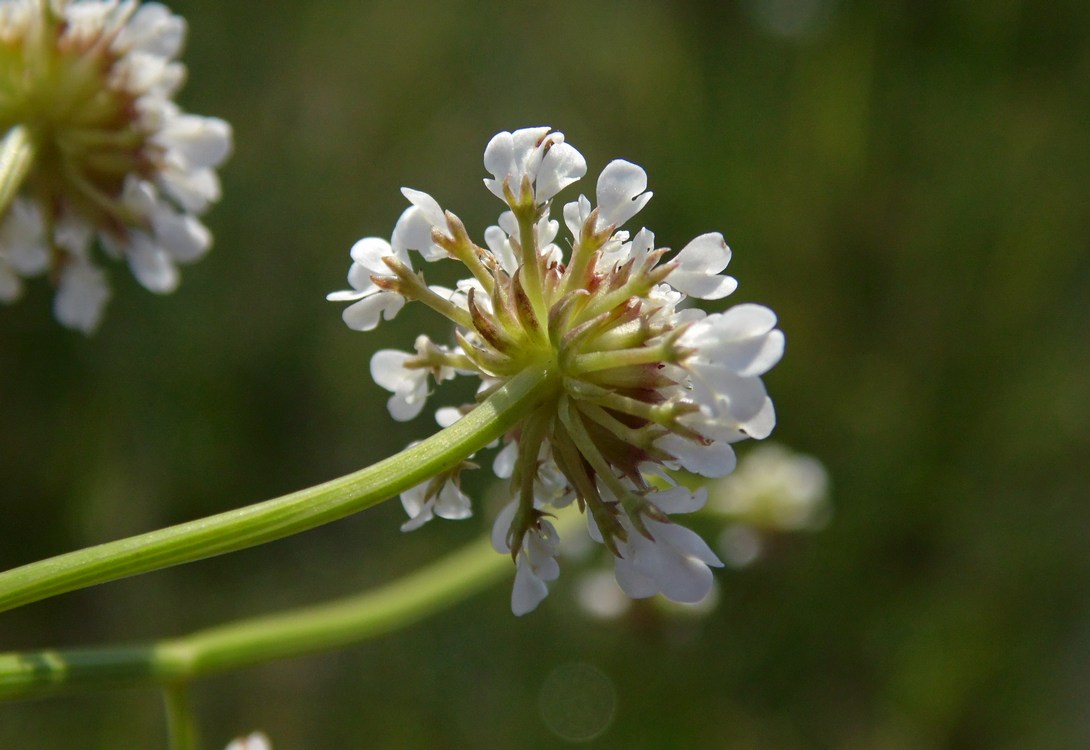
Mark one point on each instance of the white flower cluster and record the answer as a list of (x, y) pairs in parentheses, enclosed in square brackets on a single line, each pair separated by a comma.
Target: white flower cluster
[(114, 157), (639, 385)]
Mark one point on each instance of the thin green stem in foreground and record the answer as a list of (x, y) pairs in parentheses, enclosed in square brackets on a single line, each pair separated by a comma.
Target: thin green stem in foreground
[(282, 516), (16, 158), (323, 627)]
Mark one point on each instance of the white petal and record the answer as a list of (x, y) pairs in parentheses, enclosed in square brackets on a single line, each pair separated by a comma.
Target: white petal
[(702, 286), (528, 591), (193, 189), (743, 397), (81, 297), (633, 581), (365, 314), (350, 295), (561, 166), (200, 141), (413, 232), (715, 459), (699, 262), (22, 239), (405, 406), (739, 322), (445, 416), (433, 212), (502, 525), (413, 499), (680, 500), (255, 741), (181, 235), (388, 368), (620, 192), (575, 214), (11, 286), (452, 503), (155, 30), (503, 466), (684, 541), (707, 254), (760, 425), (151, 264)]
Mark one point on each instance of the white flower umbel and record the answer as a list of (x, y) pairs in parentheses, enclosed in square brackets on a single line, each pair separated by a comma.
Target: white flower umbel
[(113, 158), (635, 385)]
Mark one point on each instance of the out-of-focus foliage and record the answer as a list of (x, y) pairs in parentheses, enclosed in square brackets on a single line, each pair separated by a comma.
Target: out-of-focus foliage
[(905, 183)]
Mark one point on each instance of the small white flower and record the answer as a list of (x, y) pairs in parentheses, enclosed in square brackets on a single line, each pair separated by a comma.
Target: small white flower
[(622, 192), (699, 264), (413, 230), (673, 560), (538, 154), (731, 351), (372, 302), (675, 563), (255, 741), (775, 489), (536, 563), (425, 501), (406, 376)]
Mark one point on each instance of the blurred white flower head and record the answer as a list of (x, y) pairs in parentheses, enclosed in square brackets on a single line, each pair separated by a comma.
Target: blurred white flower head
[(254, 741), (634, 386), (773, 490), (115, 160)]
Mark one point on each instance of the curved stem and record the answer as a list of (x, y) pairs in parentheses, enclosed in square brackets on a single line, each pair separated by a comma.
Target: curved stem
[(261, 639), (16, 158), (282, 516)]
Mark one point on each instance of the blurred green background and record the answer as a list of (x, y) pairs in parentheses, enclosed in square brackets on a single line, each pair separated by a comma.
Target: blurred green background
[(904, 182)]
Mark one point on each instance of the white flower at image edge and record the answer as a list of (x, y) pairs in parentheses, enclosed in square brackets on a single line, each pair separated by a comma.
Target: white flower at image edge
[(92, 83), (254, 741)]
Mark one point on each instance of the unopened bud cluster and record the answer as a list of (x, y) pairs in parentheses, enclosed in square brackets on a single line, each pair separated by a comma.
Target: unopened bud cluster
[(640, 386)]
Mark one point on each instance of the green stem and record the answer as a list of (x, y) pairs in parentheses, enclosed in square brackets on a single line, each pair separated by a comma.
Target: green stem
[(261, 639), (282, 516), (16, 158), (531, 264), (181, 728)]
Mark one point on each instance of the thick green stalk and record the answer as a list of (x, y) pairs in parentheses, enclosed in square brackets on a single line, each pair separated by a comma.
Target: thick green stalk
[(16, 158), (261, 639), (282, 516)]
